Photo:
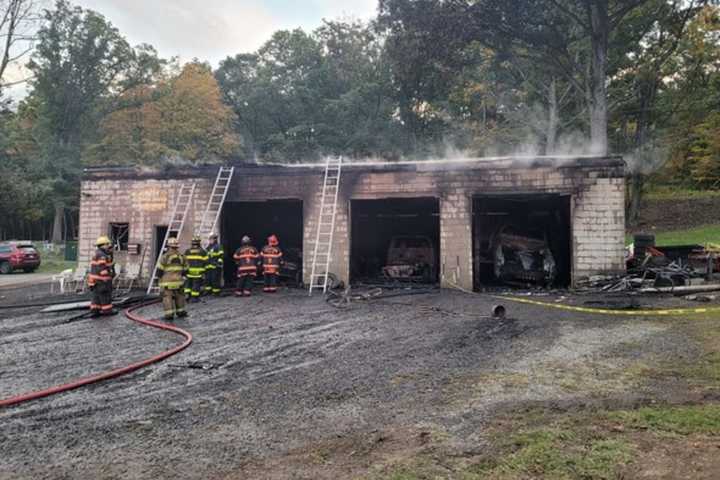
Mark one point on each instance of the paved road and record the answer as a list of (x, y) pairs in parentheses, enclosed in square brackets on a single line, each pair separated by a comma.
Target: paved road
[(19, 279)]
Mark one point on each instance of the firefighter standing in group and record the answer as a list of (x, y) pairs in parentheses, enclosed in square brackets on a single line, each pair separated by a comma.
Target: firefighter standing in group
[(172, 268), (271, 260), (246, 258), (214, 267), (102, 272), (196, 258)]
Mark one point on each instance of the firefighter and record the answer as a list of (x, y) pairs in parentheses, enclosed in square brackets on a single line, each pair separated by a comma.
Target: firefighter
[(271, 261), (196, 258), (213, 275), (246, 258), (172, 268), (102, 272)]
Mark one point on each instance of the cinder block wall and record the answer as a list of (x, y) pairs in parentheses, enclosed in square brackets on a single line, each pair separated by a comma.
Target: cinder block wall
[(141, 203), (597, 207), (597, 212)]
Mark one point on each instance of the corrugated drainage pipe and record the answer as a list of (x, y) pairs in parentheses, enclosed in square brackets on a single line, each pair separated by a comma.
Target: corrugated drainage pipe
[(129, 313)]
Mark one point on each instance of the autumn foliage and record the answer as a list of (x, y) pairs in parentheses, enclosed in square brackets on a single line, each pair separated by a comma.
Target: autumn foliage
[(180, 119)]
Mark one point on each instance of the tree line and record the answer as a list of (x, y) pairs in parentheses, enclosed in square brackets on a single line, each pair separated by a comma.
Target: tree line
[(425, 78)]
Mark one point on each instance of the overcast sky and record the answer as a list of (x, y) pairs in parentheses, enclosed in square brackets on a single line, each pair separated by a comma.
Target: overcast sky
[(209, 30), (213, 29)]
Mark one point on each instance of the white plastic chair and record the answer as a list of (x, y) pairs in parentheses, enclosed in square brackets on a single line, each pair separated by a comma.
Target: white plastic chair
[(62, 279), (126, 280), (77, 281)]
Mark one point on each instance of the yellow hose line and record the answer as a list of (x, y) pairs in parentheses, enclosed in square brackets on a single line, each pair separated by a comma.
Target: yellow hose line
[(666, 312), (670, 312)]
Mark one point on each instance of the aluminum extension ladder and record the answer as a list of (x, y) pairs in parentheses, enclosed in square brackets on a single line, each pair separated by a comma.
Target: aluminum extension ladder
[(175, 228), (215, 202), (326, 226)]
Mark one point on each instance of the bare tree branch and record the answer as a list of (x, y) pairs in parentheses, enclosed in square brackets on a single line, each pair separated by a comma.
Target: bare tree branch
[(17, 17)]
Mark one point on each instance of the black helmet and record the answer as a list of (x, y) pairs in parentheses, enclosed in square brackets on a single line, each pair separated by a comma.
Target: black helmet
[(246, 240)]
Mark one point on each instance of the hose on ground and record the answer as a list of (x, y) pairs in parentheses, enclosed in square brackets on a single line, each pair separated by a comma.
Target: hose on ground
[(341, 300), (129, 313)]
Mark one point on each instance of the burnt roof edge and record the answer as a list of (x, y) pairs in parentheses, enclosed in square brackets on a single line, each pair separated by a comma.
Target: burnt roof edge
[(210, 171)]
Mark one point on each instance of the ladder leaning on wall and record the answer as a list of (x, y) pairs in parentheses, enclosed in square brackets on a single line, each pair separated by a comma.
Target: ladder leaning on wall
[(215, 202), (175, 228), (326, 226)]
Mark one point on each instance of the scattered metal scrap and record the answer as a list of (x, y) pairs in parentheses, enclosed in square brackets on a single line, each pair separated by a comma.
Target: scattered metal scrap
[(679, 270), (344, 298)]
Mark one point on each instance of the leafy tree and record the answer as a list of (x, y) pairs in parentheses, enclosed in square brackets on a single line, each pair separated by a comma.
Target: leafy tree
[(78, 62), (181, 118), (303, 95), (639, 124), (689, 102)]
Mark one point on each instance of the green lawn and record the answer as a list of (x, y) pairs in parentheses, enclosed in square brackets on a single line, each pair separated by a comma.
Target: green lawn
[(675, 193), (51, 262), (699, 235)]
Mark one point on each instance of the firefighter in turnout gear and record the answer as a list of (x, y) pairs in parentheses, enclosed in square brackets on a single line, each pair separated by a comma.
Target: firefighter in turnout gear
[(196, 258), (102, 272), (271, 261), (246, 258), (172, 268), (214, 265)]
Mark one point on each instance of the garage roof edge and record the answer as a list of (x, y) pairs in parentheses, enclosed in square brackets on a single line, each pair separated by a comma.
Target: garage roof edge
[(209, 171)]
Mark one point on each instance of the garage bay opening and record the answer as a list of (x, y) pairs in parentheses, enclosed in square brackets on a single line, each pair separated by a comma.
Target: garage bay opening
[(395, 240), (259, 220), (522, 240)]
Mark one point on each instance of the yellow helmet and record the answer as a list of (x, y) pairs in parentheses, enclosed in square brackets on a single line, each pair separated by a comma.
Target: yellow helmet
[(173, 242), (102, 241)]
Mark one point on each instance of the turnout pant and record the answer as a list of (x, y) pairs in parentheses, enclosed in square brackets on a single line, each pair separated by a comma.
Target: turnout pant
[(245, 284), (271, 281), (173, 302), (213, 275), (102, 298), (194, 286)]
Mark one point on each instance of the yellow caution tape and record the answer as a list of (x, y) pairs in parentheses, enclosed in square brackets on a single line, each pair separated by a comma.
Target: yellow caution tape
[(608, 311), (667, 312)]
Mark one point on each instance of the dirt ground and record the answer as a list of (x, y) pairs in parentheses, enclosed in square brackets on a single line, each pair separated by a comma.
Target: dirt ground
[(670, 215), (289, 387), (22, 278)]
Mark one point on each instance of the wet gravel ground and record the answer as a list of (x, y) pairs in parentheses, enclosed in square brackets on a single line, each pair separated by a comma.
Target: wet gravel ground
[(270, 374)]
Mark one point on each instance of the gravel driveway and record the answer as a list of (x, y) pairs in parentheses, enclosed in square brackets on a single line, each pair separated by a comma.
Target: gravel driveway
[(270, 375)]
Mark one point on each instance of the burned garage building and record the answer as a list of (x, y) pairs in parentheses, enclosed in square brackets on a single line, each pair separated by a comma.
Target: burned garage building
[(467, 223)]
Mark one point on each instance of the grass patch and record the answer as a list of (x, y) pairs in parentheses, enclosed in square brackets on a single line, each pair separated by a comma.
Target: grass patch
[(51, 262), (678, 193), (558, 454), (570, 451), (702, 419), (693, 236), (699, 235)]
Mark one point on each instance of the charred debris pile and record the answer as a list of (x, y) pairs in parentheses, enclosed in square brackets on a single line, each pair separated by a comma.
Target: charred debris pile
[(681, 270)]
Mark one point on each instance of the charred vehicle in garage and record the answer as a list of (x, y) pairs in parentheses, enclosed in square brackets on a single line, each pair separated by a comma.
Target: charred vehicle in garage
[(523, 256), (411, 258)]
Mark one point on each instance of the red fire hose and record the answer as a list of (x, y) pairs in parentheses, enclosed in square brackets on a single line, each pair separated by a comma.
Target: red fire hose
[(113, 373)]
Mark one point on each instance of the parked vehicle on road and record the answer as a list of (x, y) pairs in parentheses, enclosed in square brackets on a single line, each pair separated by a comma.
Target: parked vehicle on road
[(18, 256)]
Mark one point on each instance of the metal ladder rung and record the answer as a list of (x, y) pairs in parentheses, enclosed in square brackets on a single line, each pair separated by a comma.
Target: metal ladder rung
[(175, 227), (216, 200), (322, 254)]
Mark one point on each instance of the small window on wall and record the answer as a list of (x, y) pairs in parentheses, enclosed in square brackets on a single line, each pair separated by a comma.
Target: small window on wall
[(119, 235)]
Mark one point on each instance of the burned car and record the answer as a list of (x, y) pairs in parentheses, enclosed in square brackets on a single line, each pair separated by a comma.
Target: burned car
[(291, 267), (410, 258), (523, 256)]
